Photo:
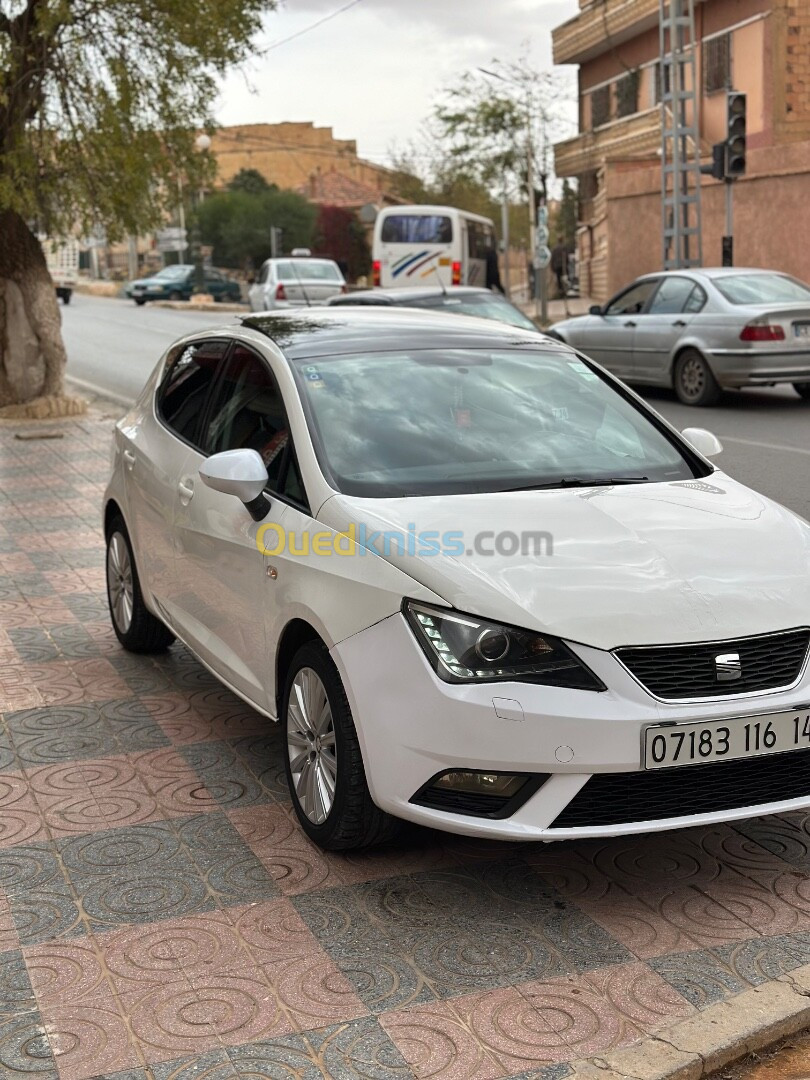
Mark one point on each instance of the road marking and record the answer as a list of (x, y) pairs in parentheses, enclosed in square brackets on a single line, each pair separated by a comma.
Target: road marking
[(765, 445)]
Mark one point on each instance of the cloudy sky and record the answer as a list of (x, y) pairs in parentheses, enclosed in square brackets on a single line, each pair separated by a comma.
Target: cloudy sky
[(373, 72)]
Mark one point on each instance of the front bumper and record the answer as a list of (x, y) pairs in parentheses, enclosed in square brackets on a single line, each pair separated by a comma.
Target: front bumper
[(412, 726), (759, 367)]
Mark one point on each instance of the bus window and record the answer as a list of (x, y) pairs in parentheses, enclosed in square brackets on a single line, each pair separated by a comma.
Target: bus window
[(417, 229)]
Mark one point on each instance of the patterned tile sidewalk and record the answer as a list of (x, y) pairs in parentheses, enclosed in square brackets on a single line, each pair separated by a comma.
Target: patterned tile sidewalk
[(163, 918)]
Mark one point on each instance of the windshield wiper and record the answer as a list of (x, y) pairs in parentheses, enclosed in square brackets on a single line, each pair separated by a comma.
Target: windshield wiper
[(576, 481)]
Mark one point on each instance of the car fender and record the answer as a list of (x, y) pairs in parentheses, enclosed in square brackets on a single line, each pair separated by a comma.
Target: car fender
[(688, 341)]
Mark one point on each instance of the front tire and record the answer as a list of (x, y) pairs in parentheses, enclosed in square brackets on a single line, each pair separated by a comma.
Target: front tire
[(693, 380), (323, 761), (802, 389), (175, 295), (135, 626), (139, 300)]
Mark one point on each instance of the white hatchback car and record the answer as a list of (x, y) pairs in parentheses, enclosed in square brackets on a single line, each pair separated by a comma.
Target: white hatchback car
[(480, 583), (295, 282)]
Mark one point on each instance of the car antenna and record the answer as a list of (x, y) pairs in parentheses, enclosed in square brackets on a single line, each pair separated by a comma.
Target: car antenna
[(300, 282), (434, 270)]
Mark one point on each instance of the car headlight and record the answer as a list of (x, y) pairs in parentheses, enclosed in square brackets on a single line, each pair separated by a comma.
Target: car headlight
[(463, 648)]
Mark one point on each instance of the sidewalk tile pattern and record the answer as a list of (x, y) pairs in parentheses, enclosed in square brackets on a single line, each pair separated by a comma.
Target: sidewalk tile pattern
[(162, 916)]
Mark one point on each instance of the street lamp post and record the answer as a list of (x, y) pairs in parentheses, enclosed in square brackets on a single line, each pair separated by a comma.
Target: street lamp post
[(201, 144)]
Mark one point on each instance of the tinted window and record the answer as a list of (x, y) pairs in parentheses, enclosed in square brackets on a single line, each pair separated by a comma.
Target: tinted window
[(189, 375), (632, 300), (475, 420), (672, 296), (247, 413), (762, 289), (485, 305), (480, 238), (417, 229)]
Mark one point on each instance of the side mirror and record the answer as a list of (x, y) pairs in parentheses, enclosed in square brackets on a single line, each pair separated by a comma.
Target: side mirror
[(595, 309), (703, 441), (241, 473)]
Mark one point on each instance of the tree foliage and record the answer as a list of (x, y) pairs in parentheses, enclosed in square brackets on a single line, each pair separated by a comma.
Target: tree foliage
[(340, 236), (251, 181), (237, 224), (100, 101)]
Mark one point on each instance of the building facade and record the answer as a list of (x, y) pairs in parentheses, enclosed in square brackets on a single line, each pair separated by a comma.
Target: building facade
[(759, 47)]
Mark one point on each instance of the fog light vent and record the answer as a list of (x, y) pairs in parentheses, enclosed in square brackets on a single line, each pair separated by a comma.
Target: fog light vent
[(479, 794)]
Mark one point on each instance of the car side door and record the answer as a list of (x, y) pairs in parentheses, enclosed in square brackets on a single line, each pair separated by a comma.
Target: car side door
[(677, 300), (612, 338), (256, 290), (219, 564), (154, 450)]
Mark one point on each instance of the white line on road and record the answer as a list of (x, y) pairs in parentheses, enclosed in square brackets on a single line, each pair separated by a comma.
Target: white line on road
[(766, 445)]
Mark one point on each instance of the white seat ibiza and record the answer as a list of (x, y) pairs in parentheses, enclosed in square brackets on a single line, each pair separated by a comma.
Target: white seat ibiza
[(481, 585)]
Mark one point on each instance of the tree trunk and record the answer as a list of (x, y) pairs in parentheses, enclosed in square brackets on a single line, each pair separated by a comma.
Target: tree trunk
[(32, 356)]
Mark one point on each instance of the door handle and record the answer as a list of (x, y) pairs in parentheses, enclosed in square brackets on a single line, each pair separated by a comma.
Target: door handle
[(679, 322), (129, 460), (630, 323), (186, 490)]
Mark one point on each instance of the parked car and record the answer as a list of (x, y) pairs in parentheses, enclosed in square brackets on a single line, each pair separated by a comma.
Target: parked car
[(177, 283), (460, 300), (295, 282), (330, 508), (702, 331)]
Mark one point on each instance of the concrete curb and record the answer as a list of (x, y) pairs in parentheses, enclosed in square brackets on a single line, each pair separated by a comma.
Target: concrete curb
[(716, 1037), (187, 305)]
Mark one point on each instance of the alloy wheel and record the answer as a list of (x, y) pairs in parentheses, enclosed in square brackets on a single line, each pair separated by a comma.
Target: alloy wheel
[(693, 377), (119, 582), (311, 745)]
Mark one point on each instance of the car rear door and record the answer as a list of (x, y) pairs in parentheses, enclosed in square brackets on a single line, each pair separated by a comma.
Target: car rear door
[(154, 451), (219, 564), (669, 313)]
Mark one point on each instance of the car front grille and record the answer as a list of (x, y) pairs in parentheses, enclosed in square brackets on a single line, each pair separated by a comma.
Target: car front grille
[(622, 798), (677, 672)]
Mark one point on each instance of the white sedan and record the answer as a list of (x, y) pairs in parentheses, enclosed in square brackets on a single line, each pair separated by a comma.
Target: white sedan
[(479, 582)]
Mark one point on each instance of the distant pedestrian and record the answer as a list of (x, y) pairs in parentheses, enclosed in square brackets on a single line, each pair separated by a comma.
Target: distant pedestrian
[(559, 265), (493, 278)]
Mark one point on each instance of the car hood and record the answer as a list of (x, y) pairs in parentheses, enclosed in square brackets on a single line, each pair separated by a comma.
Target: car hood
[(700, 560)]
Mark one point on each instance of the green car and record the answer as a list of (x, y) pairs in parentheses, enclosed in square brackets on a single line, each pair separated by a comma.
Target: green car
[(177, 283)]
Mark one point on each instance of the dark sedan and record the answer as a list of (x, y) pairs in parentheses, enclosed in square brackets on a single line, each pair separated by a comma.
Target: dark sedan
[(177, 283), (458, 300)]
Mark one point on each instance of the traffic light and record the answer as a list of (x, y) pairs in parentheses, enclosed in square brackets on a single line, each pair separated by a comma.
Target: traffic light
[(735, 139)]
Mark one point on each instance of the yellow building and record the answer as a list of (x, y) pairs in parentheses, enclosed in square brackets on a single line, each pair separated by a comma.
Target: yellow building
[(759, 47)]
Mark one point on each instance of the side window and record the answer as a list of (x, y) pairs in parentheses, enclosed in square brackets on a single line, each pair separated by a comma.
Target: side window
[(190, 372), (632, 300), (696, 300), (247, 413), (672, 296), (264, 273)]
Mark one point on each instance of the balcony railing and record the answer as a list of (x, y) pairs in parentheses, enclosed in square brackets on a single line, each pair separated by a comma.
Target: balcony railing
[(636, 136), (601, 26)]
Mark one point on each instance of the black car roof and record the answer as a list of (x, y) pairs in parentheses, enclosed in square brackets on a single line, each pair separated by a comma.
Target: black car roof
[(404, 295), (321, 331)]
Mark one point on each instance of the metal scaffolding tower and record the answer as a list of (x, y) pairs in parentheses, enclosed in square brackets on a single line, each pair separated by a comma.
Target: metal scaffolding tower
[(680, 138)]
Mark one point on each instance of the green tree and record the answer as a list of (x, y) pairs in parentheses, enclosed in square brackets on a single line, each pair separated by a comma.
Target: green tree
[(99, 106), (238, 224), (251, 181)]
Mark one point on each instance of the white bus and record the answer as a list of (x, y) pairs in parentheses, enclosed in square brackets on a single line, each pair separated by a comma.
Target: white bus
[(430, 245)]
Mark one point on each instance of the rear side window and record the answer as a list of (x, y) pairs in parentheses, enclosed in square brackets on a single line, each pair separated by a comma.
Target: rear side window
[(672, 296), (190, 372), (417, 229)]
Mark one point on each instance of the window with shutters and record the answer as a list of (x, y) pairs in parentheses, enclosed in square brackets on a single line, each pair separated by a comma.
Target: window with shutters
[(717, 64), (627, 94)]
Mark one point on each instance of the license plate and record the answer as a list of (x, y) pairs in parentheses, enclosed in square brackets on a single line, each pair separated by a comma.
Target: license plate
[(724, 740), (802, 329)]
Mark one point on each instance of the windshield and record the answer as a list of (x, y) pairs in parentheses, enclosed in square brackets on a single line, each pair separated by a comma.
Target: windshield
[(432, 422), (485, 305), (762, 289), (308, 270), (172, 273)]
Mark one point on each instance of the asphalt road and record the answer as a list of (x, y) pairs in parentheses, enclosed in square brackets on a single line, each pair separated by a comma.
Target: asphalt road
[(113, 346)]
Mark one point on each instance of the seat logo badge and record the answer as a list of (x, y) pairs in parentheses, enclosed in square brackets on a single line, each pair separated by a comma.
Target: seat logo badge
[(728, 667)]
